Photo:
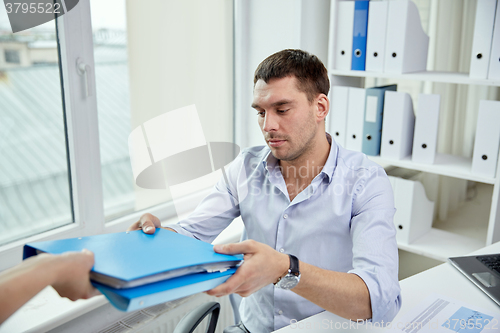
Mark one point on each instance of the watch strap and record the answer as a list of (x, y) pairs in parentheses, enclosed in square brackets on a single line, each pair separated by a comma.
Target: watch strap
[(294, 265), (293, 269)]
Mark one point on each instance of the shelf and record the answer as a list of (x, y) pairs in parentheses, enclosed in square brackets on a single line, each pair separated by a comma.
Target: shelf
[(447, 77), (440, 245), (446, 165)]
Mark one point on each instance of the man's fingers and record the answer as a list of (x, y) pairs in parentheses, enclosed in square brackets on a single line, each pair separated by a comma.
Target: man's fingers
[(235, 248), (148, 227), (148, 223), (228, 287), (135, 226)]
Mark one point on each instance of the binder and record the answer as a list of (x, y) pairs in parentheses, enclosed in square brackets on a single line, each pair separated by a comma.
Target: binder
[(338, 119), (375, 42), (121, 263), (344, 36), (494, 66), (414, 212), (398, 126), (374, 110), (484, 158), (406, 42), (483, 34), (355, 119), (426, 129), (360, 27), (137, 298)]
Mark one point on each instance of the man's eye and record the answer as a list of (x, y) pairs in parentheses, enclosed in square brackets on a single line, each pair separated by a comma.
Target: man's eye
[(281, 111), (261, 113)]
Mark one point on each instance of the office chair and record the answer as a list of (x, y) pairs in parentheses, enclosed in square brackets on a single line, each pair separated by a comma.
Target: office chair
[(192, 319)]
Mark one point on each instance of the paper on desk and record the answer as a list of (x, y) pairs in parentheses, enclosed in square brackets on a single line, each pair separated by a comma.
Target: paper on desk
[(438, 313)]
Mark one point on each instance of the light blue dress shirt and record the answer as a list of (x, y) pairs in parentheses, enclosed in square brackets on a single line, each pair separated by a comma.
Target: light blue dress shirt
[(343, 221)]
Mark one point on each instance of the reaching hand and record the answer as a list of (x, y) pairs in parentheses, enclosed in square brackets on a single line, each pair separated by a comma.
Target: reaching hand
[(263, 265), (72, 275), (68, 273)]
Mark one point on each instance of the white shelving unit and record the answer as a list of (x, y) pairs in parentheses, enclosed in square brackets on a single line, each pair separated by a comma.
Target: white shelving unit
[(444, 164), (437, 244), (434, 76), (440, 244)]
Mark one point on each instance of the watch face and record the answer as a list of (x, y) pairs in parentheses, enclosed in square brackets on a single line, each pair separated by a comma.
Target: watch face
[(288, 282)]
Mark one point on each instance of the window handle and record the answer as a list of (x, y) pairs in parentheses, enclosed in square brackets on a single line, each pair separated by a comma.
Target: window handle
[(85, 71)]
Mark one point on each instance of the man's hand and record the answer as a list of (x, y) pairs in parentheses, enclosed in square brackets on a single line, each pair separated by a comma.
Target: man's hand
[(71, 275), (148, 223), (263, 265)]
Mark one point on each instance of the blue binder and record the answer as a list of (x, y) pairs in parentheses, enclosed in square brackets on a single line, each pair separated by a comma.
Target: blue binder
[(135, 270), (373, 118), (359, 33), (132, 299)]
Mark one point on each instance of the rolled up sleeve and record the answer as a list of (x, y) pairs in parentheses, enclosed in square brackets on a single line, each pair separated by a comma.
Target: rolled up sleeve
[(375, 251)]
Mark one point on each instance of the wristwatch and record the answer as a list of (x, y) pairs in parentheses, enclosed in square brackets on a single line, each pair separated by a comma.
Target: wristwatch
[(292, 277)]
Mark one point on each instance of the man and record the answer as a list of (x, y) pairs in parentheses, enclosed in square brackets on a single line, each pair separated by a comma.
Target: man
[(305, 196)]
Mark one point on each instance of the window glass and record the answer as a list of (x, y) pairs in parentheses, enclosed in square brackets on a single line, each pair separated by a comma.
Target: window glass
[(34, 183)]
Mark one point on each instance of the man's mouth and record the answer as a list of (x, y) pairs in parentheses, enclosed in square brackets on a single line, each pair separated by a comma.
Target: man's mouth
[(276, 142)]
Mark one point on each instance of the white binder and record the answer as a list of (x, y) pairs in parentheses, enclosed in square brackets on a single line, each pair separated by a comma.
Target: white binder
[(484, 158), (483, 34), (414, 212), (494, 67), (398, 126), (426, 129), (355, 119), (375, 43), (343, 40), (338, 111), (406, 42)]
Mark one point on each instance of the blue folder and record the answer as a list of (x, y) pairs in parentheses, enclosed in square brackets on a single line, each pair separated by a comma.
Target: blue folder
[(135, 270), (136, 298), (373, 118), (359, 33)]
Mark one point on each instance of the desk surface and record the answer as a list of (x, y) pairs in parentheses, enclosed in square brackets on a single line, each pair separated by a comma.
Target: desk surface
[(443, 279)]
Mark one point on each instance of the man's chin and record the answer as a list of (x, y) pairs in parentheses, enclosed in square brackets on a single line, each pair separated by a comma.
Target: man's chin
[(279, 155)]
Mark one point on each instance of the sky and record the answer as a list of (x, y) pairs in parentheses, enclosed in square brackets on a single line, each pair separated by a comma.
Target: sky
[(105, 14)]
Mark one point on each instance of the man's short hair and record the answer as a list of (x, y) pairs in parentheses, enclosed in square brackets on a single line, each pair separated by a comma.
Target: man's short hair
[(310, 72)]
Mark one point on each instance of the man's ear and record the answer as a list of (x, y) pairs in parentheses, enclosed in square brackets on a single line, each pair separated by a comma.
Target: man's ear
[(323, 106)]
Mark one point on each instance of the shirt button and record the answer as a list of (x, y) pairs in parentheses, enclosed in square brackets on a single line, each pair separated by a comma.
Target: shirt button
[(280, 312), (282, 250), (285, 216)]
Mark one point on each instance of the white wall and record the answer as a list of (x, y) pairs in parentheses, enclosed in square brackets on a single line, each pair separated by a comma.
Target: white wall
[(181, 53), (263, 27)]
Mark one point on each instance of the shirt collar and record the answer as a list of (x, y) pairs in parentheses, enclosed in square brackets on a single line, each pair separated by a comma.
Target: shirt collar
[(331, 161), (270, 162)]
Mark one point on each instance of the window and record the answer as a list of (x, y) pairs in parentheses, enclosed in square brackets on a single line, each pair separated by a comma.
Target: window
[(135, 64), (12, 57), (34, 184)]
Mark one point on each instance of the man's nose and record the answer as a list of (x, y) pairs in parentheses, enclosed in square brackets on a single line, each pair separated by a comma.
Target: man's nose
[(270, 122)]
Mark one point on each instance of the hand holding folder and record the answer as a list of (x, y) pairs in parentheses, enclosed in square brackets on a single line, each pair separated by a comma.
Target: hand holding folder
[(180, 266), (68, 274), (263, 265)]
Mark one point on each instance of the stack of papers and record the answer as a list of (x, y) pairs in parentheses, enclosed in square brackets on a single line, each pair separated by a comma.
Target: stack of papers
[(136, 270)]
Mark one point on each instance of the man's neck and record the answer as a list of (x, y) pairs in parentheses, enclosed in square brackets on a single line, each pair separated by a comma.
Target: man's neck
[(303, 170)]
